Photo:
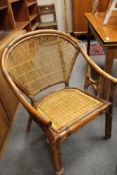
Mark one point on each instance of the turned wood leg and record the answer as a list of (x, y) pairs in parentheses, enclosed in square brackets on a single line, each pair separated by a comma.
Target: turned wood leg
[(88, 40), (108, 124), (29, 123), (56, 155)]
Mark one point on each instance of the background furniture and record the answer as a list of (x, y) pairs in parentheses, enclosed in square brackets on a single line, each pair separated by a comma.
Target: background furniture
[(48, 60), (67, 16), (18, 14), (15, 15), (47, 11), (79, 21), (112, 8), (106, 36), (8, 101)]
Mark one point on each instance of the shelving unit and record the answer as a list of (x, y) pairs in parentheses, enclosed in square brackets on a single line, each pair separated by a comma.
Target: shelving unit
[(8, 101), (33, 14), (17, 17), (18, 14), (3, 2), (34, 24), (30, 3), (5, 125), (14, 1), (3, 7)]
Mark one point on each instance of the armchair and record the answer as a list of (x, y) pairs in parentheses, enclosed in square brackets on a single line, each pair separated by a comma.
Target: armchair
[(42, 59)]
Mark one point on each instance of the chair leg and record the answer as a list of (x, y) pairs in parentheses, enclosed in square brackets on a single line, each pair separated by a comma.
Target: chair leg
[(56, 155), (108, 124), (29, 123)]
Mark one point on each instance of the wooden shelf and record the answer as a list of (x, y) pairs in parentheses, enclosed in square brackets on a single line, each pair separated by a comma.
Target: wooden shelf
[(35, 25), (17, 14), (8, 107), (32, 17), (21, 25), (3, 7), (3, 3), (31, 3), (13, 1), (4, 33), (6, 23)]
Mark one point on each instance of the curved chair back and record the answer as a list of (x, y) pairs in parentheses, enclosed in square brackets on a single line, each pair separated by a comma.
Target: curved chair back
[(40, 59)]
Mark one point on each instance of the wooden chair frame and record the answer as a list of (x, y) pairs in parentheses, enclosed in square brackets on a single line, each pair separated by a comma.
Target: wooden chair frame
[(55, 139)]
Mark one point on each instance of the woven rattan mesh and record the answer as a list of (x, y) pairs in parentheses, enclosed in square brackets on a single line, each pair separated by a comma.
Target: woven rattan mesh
[(41, 61), (68, 106)]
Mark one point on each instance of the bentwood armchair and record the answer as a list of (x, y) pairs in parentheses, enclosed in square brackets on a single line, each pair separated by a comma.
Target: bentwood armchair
[(42, 59)]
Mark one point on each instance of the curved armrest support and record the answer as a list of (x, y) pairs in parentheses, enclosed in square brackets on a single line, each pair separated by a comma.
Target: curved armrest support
[(97, 68), (109, 91)]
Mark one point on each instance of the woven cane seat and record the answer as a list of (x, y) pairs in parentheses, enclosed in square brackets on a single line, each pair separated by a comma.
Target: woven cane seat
[(68, 106)]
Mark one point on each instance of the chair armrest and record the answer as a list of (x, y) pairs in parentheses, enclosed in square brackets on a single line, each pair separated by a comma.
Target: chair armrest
[(97, 68), (108, 87)]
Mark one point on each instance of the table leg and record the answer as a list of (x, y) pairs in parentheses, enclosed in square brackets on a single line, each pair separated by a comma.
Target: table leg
[(108, 68), (88, 40), (86, 84)]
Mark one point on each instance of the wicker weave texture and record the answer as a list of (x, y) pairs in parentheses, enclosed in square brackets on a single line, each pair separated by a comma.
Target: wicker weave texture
[(68, 106), (41, 61)]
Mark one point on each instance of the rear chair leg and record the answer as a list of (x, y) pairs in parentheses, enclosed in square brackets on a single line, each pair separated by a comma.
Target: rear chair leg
[(56, 155), (108, 124)]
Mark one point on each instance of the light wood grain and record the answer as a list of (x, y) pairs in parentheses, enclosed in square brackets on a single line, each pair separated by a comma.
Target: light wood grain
[(107, 33), (16, 15), (8, 101), (79, 8)]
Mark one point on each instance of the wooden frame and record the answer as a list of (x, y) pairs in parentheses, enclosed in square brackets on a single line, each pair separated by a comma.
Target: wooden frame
[(18, 15), (79, 22), (56, 138)]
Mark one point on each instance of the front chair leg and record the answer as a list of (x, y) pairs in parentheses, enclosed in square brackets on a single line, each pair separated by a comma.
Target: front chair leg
[(56, 155), (108, 124)]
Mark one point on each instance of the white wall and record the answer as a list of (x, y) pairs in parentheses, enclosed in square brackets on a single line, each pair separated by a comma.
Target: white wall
[(70, 15), (60, 14)]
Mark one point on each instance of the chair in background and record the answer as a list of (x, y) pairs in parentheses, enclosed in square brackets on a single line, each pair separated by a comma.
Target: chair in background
[(47, 15), (112, 7), (42, 59), (95, 7)]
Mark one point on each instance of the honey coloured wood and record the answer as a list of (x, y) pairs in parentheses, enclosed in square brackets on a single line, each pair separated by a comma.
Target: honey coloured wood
[(79, 21), (106, 36), (4, 125), (8, 101), (107, 33), (18, 14)]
